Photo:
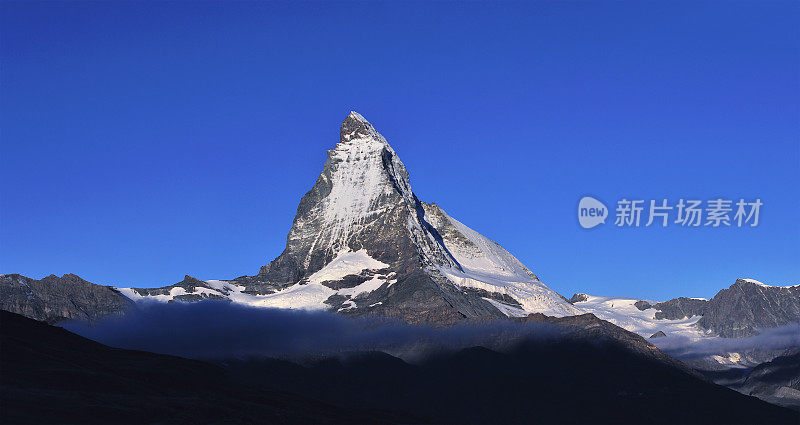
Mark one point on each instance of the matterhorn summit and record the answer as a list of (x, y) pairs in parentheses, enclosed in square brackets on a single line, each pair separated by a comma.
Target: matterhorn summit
[(362, 244)]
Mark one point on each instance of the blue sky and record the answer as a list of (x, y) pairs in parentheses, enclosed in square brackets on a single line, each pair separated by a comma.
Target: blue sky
[(144, 141)]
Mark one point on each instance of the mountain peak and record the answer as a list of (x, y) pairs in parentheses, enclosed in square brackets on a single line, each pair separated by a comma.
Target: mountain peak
[(356, 127), (358, 117), (361, 243)]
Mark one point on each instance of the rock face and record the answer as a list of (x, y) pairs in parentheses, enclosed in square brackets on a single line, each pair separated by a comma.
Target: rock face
[(54, 298), (737, 312), (659, 334), (577, 298), (189, 289), (588, 327), (776, 381), (748, 305), (679, 308), (674, 309)]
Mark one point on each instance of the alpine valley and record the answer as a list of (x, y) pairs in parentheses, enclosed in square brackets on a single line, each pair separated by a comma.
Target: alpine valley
[(362, 245)]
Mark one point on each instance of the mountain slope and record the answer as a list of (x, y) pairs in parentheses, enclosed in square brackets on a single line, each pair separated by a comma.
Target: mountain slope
[(637, 316), (488, 269), (742, 326), (736, 312), (54, 298), (749, 305), (51, 375), (776, 381), (595, 373)]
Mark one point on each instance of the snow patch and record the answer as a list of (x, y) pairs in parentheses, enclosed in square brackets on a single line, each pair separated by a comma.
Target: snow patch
[(174, 292), (365, 287), (623, 313), (767, 286), (347, 263), (506, 309), (305, 296), (731, 359)]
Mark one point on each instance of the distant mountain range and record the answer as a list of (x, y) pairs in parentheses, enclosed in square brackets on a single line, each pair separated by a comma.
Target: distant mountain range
[(736, 312), (739, 311)]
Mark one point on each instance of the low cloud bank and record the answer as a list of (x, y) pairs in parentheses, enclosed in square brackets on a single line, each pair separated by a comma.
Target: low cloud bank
[(774, 339), (217, 329)]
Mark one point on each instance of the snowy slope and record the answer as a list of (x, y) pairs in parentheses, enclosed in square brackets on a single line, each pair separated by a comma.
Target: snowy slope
[(173, 292), (356, 185), (623, 313), (308, 295), (746, 304), (487, 266), (768, 286)]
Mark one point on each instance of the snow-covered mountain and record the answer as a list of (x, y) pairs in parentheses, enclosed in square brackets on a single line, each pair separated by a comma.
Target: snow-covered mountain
[(741, 326), (638, 316), (739, 311), (362, 243)]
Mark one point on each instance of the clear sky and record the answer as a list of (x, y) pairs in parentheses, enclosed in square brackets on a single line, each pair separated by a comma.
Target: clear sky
[(144, 141)]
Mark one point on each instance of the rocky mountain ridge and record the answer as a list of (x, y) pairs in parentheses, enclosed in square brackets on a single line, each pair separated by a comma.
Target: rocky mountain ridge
[(53, 299), (736, 312)]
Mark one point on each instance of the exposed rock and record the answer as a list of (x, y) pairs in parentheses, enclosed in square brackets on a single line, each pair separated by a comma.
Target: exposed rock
[(642, 305), (197, 297), (576, 298), (590, 327), (503, 298), (776, 380), (747, 306), (189, 284), (679, 308), (53, 299), (659, 334), (418, 298), (353, 280)]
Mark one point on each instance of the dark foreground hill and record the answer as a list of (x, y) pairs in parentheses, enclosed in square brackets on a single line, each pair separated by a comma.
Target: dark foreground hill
[(51, 375), (567, 382)]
